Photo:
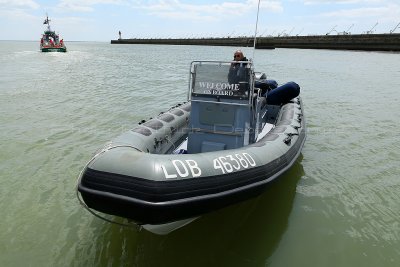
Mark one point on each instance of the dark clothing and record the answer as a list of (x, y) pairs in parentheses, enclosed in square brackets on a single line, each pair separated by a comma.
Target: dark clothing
[(265, 85), (276, 95), (237, 72)]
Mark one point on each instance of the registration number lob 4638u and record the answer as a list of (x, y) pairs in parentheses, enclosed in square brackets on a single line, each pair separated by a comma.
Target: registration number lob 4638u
[(226, 164)]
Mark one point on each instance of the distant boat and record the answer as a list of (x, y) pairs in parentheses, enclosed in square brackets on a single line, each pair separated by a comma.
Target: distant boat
[(50, 41)]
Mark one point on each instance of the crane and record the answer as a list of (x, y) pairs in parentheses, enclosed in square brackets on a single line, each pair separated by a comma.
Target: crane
[(282, 33), (372, 29), (300, 32), (264, 32), (290, 31), (348, 30), (392, 31), (333, 29)]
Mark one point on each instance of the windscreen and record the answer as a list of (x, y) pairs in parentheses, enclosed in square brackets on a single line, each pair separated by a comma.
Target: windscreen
[(221, 79)]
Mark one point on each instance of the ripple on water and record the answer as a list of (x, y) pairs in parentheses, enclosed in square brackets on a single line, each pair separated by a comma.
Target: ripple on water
[(342, 196)]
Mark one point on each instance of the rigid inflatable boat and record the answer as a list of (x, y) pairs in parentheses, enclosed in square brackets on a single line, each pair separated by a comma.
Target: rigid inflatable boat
[(222, 146)]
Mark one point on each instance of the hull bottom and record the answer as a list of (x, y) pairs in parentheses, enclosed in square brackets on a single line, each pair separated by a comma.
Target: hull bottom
[(164, 229), (54, 49)]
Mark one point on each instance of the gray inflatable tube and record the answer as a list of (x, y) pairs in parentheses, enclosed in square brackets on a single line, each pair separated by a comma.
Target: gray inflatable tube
[(141, 176)]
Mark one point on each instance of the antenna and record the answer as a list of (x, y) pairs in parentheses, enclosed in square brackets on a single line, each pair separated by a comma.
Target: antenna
[(47, 21), (255, 33)]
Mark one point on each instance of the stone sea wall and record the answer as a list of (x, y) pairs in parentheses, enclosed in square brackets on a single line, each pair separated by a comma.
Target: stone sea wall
[(372, 42), (369, 42)]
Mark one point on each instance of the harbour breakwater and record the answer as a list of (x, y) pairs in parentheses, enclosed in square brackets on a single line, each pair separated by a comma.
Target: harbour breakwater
[(369, 42)]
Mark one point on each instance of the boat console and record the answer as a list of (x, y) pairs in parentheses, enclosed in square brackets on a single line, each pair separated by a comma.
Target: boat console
[(226, 110)]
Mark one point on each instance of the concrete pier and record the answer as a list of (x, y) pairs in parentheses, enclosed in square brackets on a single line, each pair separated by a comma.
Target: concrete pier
[(240, 41), (368, 42)]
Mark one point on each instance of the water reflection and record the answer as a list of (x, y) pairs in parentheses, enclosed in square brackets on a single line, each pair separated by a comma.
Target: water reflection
[(245, 234)]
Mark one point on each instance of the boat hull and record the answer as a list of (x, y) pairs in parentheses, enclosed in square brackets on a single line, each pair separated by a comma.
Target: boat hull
[(136, 176), (54, 49)]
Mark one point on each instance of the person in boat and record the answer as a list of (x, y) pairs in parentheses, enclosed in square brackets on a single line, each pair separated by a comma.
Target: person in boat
[(239, 56), (237, 70), (276, 95)]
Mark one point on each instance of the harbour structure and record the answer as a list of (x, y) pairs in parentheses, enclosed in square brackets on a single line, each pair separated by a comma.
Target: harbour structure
[(368, 42)]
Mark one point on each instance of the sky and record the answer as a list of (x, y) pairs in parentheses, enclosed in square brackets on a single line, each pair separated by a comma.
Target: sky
[(100, 20)]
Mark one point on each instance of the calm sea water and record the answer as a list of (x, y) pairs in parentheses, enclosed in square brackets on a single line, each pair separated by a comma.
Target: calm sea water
[(338, 206)]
